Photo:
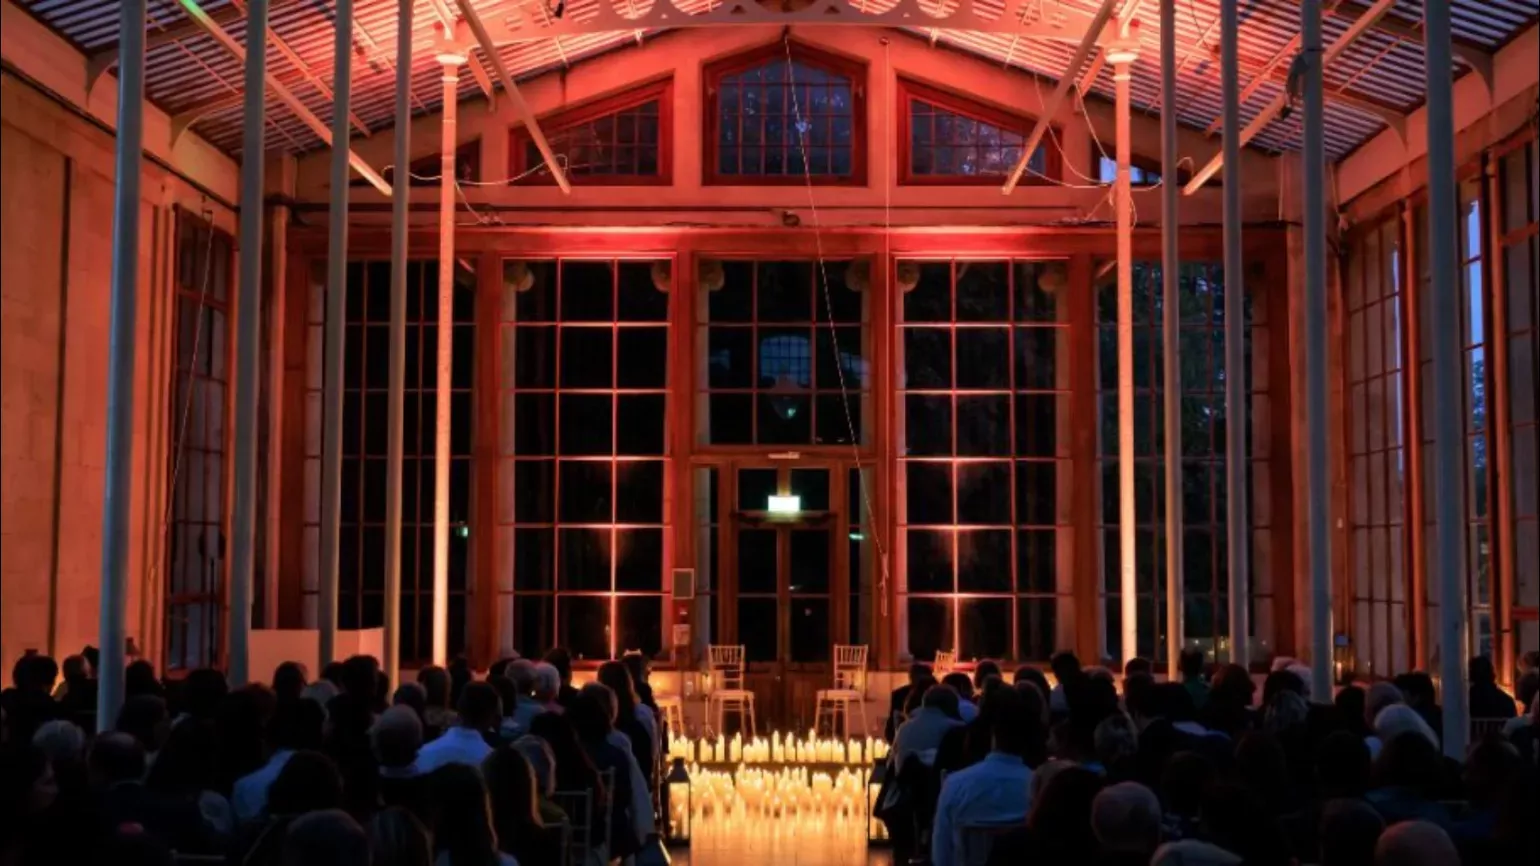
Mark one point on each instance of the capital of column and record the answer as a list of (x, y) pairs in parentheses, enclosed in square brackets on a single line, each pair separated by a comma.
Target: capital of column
[(1123, 48)]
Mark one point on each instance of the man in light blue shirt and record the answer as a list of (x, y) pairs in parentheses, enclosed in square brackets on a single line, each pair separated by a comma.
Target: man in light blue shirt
[(921, 735), (993, 792), (480, 711), (296, 725)]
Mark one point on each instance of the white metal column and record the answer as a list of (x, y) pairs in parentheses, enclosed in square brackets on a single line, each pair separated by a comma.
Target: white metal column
[(1122, 56), (1170, 269), (1317, 492), (1237, 524), (446, 297), (1448, 437), (396, 397), (336, 309), (116, 502), (248, 338)]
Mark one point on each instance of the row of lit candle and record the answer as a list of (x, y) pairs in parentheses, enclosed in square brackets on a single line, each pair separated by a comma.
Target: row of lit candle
[(789, 750), (746, 804)]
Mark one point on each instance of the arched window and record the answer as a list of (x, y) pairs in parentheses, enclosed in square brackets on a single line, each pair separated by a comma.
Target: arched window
[(780, 115), (946, 139)]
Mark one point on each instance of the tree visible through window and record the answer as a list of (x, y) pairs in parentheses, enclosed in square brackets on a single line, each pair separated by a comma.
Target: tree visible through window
[(622, 140), (949, 139), (774, 116)]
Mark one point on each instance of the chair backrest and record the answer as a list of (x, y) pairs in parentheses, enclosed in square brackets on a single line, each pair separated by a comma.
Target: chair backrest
[(579, 806), (946, 662), (726, 663), (977, 841), (850, 667), (1481, 728)]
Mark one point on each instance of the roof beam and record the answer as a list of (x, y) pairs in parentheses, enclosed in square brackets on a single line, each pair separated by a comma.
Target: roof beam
[(1475, 55), (1276, 106), (304, 69), (1066, 80), (106, 57), (489, 51), (299, 108)]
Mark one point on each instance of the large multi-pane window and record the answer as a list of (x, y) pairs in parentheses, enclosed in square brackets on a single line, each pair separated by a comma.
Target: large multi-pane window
[(1377, 451), (785, 113), (1519, 234), (949, 139), (1205, 557), (783, 349), (583, 477), (365, 438), (1480, 545), (984, 409), (199, 428)]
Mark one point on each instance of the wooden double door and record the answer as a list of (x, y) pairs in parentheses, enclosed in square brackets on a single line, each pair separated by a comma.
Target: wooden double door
[(793, 582)]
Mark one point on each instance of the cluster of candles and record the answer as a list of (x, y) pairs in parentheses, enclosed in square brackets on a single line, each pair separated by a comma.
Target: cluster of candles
[(748, 805), (788, 750)]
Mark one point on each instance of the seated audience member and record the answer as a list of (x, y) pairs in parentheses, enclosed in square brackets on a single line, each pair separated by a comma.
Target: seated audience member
[(1487, 699), (611, 750), (967, 744), (462, 819), (1229, 706), (1525, 690), (327, 838), (1238, 820), (321, 692), (1126, 823), (395, 740), (296, 726), (542, 765), (1116, 743), (187, 771), (967, 705), (480, 712), (64, 744), (561, 659), (1136, 666), (412, 696), (546, 689), (1419, 693), (1415, 843), (439, 715), (1378, 696), (632, 719), (30, 792), (525, 706), (76, 695), (289, 681), (920, 736), (1348, 832), (203, 692), (1192, 852), (1183, 782), (641, 673), (460, 676), (994, 791), (309, 782), (1398, 719), (1349, 705), (1066, 668), (1034, 675), (29, 702), (1341, 773), (398, 837), (1058, 828), (1190, 666), (1405, 777), (116, 767), (507, 699), (575, 771), (512, 788), (139, 679), (145, 718), (1262, 767), (983, 672), (919, 672), (1492, 777)]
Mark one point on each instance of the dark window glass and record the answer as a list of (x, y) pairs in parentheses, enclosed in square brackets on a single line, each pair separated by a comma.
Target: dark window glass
[(783, 118)]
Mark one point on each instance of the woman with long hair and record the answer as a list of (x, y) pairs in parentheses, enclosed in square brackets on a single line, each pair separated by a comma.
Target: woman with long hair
[(462, 819), (515, 798), (187, 771), (629, 720)]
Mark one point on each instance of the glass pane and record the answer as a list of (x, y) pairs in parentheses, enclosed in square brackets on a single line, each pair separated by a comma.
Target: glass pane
[(641, 624), (584, 491), (639, 491), (585, 424), (784, 419), (758, 560), (1036, 628), (729, 357), (639, 560), (931, 298), (640, 424), (584, 559), (813, 486), (534, 559), (930, 627), (811, 560), (927, 358), (758, 628), (587, 291), (810, 630), (643, 361), (585, 627), (983, 358), (985, 628), (730, 419), (984, 426), (928, 492), (984, 560), (929, 560), (984, 493), (983, 293)]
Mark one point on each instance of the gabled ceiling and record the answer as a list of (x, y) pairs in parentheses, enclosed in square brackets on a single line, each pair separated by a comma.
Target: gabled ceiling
[(190, 74)]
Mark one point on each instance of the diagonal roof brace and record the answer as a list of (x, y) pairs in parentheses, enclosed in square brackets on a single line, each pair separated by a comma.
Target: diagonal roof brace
[(1269, 113), (1066, 80), (478, 68), (489, 52), (294, 103), (304, 69)]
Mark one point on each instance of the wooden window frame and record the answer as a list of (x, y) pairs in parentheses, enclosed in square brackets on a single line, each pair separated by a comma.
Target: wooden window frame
[(910, 90), (661, 90), (711, 77)]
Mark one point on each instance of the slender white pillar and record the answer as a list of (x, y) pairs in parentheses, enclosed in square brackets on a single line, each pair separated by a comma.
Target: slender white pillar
[(446, 298), (336, 309), (248, 339), (1122, 55), (116, 502), (1317, 492), (1170, 269), (1448, 437), (1237, 522), (396, 398)]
